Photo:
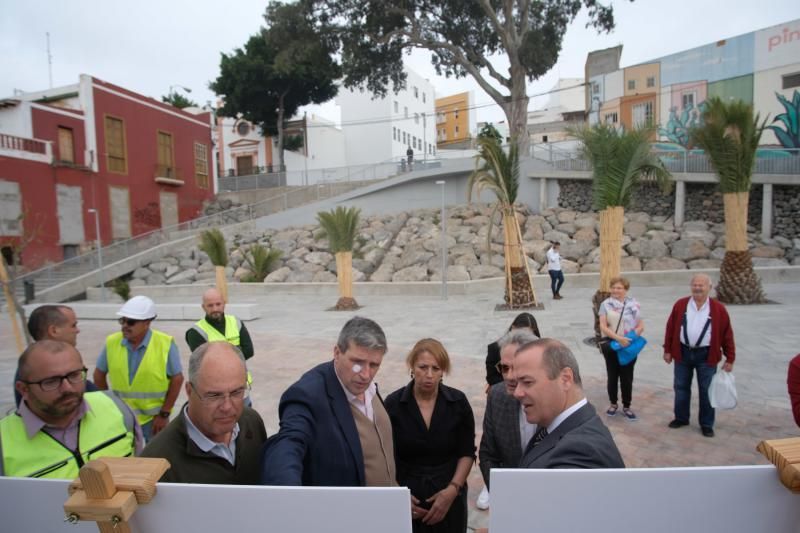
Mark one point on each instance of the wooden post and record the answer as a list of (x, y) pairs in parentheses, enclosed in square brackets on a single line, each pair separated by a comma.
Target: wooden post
[(611, 220), (736, 221), (12, 308), (222, 283)]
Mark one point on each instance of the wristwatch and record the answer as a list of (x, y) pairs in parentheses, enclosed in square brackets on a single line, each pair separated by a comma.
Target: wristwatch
[(163, 414)]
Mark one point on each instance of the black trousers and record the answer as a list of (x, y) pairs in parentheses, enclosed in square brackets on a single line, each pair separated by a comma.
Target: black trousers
[(618, 374)]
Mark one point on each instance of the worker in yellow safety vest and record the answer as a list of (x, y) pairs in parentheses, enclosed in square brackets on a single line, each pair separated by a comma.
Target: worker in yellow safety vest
[(58, 427), (217, 326), (143, 365)]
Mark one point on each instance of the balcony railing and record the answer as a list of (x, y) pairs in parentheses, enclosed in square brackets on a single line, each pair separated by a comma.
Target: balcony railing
[(11, 142), (168, 175)]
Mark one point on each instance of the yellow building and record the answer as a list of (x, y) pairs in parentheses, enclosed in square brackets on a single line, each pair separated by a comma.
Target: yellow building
[(454, 120)]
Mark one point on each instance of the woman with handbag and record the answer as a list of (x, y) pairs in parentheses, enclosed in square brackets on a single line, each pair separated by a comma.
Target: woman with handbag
[(619, 314)]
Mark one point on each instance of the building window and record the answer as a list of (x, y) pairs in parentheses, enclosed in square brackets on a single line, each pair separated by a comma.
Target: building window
[(416, 93), (544, 138), (643, 114), (595, 88), (201, 165), (610, 118), (651, 81), (414, 142), (405, 110), (116, 153), (631, 85), (394, 133), (416, 118), (166, 164), (396, 107), (243, 128), (456, 130), (455, 114), (66, 145), (687, 100), (423, 98), (404, 137), (440, 117), (791, 80)]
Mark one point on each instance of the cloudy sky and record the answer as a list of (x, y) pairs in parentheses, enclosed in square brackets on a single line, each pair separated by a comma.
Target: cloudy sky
[(149, 45)]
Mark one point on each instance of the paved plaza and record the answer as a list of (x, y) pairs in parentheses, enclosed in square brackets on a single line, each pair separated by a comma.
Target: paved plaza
[(296, 332)]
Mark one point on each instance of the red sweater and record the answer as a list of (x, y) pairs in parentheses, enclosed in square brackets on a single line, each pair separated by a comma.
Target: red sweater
[(721, 332), (794, 387)]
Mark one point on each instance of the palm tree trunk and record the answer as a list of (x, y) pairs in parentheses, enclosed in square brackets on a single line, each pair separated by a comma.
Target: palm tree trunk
[(344, 276), (222, 283), (738, 282), (519, 286)]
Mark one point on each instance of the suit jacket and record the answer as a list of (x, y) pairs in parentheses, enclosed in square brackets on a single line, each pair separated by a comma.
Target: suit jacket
[(580, 441), (501, 445), (318, 442)]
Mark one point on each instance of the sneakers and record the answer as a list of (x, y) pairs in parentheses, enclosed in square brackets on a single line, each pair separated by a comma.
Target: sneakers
[(483, 499), (612, 410), (557, 296), (677, 424), (630, 415)]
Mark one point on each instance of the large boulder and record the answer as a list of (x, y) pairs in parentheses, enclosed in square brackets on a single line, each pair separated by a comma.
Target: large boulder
[(184, 277), (664, 263), (700, 225), (773, 252), (279, 276), (704, 264), (171, 270), (156, 278), (586, 235), (556, 236), (634, 229), (575, 250), (300, 276), (434, 244), (411, 273), (159, 266), (566, 216), (383, 273), (467, 260), (689, 249), (536, 249), (454, 273), (485, 271), (590, 267), (629, 264), (566, 227), (413, 255), (647, 248), (666, 237), (707, 237), (769, 262), (141, 273), (319, 258)]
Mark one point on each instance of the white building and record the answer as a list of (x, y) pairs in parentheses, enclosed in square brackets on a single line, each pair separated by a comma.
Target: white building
[(564, 108), (381, 130)]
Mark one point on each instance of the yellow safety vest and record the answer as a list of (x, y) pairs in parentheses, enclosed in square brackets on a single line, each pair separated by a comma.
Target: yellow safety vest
[(106, 430), (146, 393), (212, 334)]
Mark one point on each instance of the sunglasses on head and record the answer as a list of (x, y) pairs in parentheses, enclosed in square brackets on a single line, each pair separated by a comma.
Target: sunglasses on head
[(129, 321)]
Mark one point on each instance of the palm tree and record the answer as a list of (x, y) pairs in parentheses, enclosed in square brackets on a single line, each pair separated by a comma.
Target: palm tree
[(260, 260), (212, 242), (498, 172), (729, 135), (340, 226), (621, 161)]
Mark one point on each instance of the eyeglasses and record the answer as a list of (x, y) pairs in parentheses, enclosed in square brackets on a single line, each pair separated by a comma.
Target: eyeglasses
[(129, 321), (218, 398), (54, 382), (502, 369)]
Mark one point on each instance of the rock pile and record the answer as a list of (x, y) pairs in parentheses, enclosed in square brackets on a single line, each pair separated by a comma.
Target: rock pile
[(407, 247)]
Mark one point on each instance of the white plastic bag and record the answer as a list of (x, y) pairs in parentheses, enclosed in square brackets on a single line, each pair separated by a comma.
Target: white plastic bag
[(722, 391)]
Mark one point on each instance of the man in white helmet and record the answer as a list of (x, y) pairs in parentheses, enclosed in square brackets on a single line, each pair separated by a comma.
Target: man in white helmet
[(143, 364)]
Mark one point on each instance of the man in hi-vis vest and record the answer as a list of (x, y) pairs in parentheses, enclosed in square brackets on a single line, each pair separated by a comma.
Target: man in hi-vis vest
[(143, 364), (58, 427), (217, 326)]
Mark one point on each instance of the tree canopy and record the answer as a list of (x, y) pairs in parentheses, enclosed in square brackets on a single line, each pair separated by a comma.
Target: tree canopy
[(178, 100), (463, 38), (286, 65)]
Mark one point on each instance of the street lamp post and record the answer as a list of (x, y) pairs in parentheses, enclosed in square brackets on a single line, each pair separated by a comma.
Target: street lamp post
[(99, 252), (444, 245)]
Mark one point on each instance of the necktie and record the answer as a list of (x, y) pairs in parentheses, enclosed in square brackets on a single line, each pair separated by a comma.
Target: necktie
[(540, 434)]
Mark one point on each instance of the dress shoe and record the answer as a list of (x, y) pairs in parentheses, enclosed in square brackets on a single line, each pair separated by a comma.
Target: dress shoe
[(707, 431), (483, 499), (556, 297), (677, 424)]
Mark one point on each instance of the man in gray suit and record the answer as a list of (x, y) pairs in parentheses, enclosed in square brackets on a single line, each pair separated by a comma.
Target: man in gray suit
[(569, 434), (506, 432)]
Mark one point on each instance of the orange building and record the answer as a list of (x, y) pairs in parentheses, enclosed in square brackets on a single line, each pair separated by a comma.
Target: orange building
[(454, 120)]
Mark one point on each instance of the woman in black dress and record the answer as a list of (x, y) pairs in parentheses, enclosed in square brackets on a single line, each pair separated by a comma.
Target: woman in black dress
[(434, 436)]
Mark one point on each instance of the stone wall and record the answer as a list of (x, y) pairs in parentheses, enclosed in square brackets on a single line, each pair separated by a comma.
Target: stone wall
[(704, 202), (576, 195), (786, 211)]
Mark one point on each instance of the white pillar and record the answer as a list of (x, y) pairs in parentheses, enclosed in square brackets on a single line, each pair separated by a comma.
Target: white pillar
[(680, 202), (766, 212), (542, 194)]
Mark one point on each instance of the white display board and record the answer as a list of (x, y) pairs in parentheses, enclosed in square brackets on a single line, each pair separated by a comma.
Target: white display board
[(36, 505), (731, 499)]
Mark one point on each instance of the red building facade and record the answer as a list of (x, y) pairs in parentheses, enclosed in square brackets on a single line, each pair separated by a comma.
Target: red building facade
[(70, 153)]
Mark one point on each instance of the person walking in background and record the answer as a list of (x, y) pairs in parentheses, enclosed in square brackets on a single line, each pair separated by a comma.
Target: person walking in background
[(554, 269), (619, 314), (434, 436), (698, 334), (410, 156)]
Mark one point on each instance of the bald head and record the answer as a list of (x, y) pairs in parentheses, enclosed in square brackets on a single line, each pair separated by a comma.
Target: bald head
[(213, 304)]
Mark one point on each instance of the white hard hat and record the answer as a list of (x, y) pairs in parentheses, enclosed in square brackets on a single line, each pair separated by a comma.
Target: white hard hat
[(138, 308)]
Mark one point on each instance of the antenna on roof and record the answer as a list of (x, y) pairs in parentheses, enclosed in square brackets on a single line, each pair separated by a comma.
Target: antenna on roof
[(49, 61)]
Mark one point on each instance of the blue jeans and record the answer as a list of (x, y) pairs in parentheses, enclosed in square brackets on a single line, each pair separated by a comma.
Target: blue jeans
[(556, 280), (693, 359)]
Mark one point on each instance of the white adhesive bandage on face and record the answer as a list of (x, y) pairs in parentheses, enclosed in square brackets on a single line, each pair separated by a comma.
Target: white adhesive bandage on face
[(357, 368)]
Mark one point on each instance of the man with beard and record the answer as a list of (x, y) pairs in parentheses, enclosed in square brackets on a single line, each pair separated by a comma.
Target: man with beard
[(57, 427), (217, 326), (143, 364)]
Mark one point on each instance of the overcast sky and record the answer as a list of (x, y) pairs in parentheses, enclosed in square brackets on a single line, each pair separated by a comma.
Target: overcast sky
[(148, 45)]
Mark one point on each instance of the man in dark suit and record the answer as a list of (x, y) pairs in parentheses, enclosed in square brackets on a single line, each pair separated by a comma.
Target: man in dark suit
[(334, 430), (506, 432), (569, 434)]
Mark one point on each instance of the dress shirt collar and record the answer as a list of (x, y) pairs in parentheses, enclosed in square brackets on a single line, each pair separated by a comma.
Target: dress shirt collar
[(565, 414), (364, 406), (224, 451), (34, 424)]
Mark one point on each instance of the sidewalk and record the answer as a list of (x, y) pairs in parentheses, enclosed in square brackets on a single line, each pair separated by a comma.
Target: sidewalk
[(297, 332)]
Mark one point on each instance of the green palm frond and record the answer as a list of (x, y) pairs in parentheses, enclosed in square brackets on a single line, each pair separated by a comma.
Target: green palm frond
[(621, 161), (730, 135), (261, 260), (212, 242), (340, 226), (496, 171)]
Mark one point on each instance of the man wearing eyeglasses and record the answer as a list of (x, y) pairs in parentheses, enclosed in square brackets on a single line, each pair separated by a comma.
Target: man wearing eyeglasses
[(58, 428), (215, 439), (143, 364), (506, 431)]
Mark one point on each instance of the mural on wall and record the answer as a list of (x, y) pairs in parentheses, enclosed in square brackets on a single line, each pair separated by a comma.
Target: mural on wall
[(788, 133), (677, 128)]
